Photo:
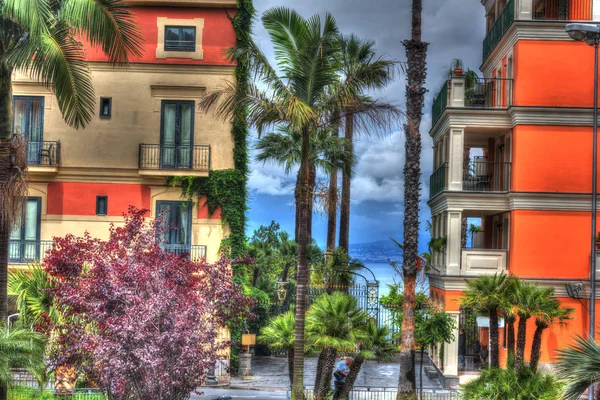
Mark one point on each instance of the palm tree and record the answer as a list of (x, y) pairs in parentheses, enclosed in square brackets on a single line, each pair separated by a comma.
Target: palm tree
[(284, 147), (359, 65), (416, 53), (486, 294), (288, 251), (548, 313), (530, 298), (509, 310), (303, 98), (43, 38), (579, 366), (279, 335), (20, 348), (376, 345), (338, 270), (333, 323)]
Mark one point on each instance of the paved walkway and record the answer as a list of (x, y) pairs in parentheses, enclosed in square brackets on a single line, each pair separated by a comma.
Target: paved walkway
[(272, 373)]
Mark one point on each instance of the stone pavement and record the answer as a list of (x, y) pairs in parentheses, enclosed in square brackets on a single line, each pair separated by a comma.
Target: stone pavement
[(272, 373)]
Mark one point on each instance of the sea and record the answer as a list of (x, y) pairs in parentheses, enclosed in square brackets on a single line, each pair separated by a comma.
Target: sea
[(386, 275)]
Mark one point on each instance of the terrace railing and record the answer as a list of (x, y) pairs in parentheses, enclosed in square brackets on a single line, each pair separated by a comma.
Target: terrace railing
[(43, 153), (440, 103), (23, 251), (484, 176), (489, 93), (499, 29), (437, 181), (158, 156), (194, 252)]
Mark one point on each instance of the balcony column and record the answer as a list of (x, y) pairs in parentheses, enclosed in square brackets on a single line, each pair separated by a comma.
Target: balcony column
[(456, 154), (453, 242), (451, 350), (457, 93), (596, 10), (524, 9)]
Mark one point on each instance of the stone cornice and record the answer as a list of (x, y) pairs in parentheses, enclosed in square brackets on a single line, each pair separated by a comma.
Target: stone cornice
[(458, 201), (472, 117), (565, 116), (185, 3), (224, 69)]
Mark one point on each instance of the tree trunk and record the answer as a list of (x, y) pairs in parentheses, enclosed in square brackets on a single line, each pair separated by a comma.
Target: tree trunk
[(285, 272), (302, 272), (332, 204), (494, 351), (297, 201), (510, 341), (290, 360), (344, 241), (5, 174), (521, 339), (319, 371), (536, 347), (312, 183), (352, 375), (325, 380), (416, 52)]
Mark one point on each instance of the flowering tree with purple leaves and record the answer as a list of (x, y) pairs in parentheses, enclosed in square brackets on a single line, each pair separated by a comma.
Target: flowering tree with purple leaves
[(141, 322)]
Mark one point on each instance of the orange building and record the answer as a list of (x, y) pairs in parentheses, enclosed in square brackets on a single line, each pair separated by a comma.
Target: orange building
[(528, 128), (147, 128)]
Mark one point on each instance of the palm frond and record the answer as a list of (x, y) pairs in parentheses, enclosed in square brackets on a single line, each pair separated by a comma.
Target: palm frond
[(579, 366), (34, 16), (108, 24)]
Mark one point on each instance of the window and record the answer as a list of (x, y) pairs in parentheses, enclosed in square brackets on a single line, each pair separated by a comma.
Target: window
[(105, 107), (177, 132), (180, 38), (28, 120), (101, 205), (178, 220), (24, 240)]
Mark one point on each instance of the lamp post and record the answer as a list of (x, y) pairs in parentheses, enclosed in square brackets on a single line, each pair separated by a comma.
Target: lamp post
[(590, 34)]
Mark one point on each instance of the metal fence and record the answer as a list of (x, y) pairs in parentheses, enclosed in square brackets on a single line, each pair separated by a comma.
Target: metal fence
[(158, 156), (43, 153), (368, 393), (26, 393)]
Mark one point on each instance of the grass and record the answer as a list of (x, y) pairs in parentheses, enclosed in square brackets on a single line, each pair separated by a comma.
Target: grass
[(27, 393)]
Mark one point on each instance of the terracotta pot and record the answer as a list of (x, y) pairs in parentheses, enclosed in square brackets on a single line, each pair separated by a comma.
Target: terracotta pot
[(597, 244), (458, 71)]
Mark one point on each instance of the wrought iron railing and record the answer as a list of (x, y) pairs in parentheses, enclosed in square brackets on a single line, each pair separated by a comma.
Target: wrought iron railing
[(484, 176), (388, 393), (43, 153), (437, 182), (22, 251), (157, 156), (440, 103), (489, 93), (194, 252), (545, 10), (499, 29)]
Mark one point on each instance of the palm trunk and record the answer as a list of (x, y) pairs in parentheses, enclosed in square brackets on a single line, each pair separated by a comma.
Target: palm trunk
[(352, 375), (344, 241), (325, 381), (416, 52), (297, 201), (494, 351), (319, 372), (312, 183), (332, 210), (510, 341), (302, 272), (290, 360), (5, 175), (285, 272), (521, 339), (536, 347)]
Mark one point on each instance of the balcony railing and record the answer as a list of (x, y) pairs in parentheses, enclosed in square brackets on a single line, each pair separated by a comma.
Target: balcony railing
[(194, 252), (499, 29), (156, 156), (43, 154), (553, 10), (440, 103), (437, 182), (489, 93), (484, 176), (483, 261), (22, 251)]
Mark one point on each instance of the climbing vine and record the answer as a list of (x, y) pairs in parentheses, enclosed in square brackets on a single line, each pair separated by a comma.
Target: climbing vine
[(227, 188)]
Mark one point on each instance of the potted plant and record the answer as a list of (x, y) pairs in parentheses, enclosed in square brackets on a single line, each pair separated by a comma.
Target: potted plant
[(437, 245), (473, 229), (457, 67)]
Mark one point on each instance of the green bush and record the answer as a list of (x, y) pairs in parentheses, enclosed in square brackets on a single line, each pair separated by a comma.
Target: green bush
[(27, 393), (510, 384)]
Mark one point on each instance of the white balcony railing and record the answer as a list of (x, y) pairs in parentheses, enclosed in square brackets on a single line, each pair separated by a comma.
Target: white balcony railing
[(483, 261)]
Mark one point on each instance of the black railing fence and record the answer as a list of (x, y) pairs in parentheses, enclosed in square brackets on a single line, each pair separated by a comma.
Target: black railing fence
[(158, 156)]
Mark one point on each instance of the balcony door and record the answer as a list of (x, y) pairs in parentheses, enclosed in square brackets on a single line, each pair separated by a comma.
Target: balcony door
[(177, 134), (24, 240), (178, 225), (28, 120)]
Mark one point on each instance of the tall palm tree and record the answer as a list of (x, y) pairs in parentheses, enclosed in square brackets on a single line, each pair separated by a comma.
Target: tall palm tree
[(358, 64), (284, 147), (303, 98), (279, 335), (416, 53), (549, 312), (579, 366), (485, 294), (333, 323), (530, 298), (509, 311)]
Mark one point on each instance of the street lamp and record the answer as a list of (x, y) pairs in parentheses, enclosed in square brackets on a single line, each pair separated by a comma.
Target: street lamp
[(590, 34)]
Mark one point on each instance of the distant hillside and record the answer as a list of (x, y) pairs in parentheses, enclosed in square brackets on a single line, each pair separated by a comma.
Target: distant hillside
[(378, 251)]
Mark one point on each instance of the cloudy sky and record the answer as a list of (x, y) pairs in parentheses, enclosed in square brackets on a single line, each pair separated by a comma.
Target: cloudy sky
[(454, 29)]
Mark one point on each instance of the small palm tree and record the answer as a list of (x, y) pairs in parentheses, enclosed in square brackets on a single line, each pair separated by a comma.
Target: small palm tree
[(20, 348), (486, 294), (279, 336), (579, 366), (338, 269), (549, 312), (530, 298), (333, 323)]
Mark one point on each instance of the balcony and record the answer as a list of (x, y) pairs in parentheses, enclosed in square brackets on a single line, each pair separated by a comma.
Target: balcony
[(476, 262), (484, 176), (170, 160), (437, 181), (499, 28), (561, 10), (24, 251), (475, 93), (43, 156), (193, 252)]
